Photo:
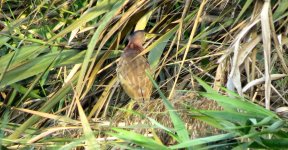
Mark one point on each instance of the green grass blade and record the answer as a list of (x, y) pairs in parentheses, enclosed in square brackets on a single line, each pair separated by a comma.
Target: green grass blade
[(93, 13), (201, 141), (156, 49), (136, 138), (91, 46), (60, 94), (177, 122)]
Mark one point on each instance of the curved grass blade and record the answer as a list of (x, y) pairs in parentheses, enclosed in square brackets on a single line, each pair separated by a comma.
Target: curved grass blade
[(136, 138), (177, 122)]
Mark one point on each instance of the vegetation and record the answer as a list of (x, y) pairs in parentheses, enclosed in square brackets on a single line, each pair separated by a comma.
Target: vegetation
[(59, 90)]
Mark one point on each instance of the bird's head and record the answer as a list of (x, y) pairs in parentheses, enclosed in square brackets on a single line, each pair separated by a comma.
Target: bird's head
[(137, 38)]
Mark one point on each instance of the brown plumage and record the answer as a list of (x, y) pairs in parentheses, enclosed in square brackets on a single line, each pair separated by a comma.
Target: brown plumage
[(131, 70)]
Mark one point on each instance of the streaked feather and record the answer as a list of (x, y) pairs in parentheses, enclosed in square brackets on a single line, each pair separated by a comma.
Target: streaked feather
[(131, 73)]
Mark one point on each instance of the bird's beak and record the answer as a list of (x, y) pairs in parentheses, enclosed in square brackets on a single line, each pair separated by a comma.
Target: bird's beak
[(149, 36)]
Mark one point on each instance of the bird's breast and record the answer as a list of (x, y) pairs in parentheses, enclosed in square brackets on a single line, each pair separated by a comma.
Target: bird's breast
[(131, 72)]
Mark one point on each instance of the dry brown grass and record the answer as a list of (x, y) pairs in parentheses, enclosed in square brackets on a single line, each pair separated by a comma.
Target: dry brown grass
[(58, 60)]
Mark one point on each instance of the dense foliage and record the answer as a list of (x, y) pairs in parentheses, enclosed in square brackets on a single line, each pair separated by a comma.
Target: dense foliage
[(59, 90)]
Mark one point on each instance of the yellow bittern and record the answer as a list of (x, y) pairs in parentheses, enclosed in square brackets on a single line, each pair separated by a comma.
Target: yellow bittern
[(131, 70)]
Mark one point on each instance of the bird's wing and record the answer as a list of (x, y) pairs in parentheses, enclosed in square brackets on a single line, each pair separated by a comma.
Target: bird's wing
[(132, 76)]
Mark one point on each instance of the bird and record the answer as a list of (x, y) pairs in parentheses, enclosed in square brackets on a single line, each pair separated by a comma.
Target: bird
[(131, 69)]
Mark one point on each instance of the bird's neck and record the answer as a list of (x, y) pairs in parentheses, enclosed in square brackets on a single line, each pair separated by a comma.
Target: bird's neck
[(134, 47)]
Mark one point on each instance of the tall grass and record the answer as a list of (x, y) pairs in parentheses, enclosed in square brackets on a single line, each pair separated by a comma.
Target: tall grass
[(58, 85)]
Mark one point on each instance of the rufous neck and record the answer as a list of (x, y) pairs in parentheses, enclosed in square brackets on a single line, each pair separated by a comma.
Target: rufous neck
[(134, 46)]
